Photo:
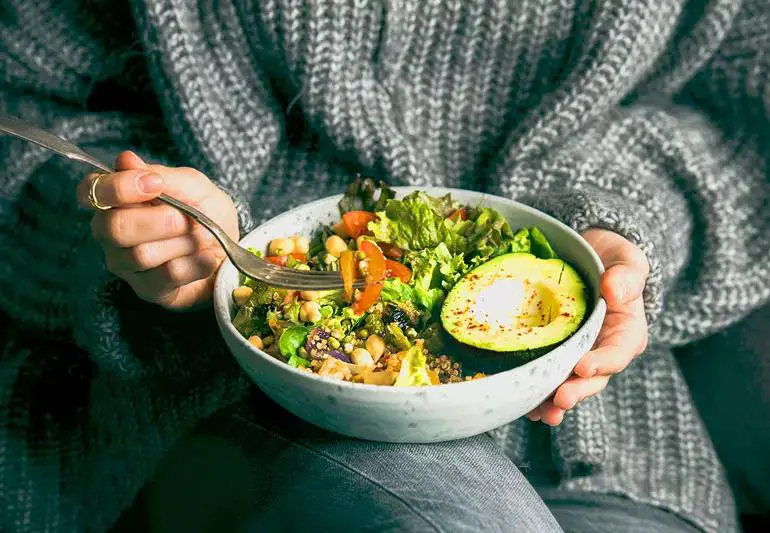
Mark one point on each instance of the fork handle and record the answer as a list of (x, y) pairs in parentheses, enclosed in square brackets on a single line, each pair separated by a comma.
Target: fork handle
[(23, 130)]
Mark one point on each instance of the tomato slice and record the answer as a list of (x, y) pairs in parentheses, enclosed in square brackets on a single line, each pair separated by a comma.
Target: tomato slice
[(281, 260), (348, 272), (375, 274), (394, 269), (355, 222), (459, 214), (391, 250)]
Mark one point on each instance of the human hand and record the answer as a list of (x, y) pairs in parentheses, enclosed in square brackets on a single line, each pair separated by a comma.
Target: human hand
[(623, 335), (165, 256)]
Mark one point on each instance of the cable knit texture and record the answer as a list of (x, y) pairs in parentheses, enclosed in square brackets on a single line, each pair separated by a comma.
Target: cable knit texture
[(648, 118)]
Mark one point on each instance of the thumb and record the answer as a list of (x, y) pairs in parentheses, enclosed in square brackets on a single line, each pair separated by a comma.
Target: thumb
[(622, 284), (129, 161)]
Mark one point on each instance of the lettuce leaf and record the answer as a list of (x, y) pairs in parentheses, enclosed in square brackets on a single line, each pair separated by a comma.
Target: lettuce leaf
[(360, 194), (414, 370), (415, 223), (394, 290), (434, 271), (540, 246), (292, 339)]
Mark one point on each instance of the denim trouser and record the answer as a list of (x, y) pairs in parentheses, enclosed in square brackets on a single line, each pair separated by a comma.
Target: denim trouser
[(268, 472)]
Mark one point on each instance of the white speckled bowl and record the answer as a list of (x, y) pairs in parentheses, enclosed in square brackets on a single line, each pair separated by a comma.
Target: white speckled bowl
[(416, 414)]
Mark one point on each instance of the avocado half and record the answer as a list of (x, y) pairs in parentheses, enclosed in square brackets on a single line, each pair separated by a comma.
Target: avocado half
[(516, 304)]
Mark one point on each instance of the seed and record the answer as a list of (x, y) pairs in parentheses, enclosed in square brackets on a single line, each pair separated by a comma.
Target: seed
[(303, 267), (361, 356), (334, 343), (281, 246), (360, 255), (362, 333), (335, 245), (256, 342), (242, 294), (376, 346), (267, 341), (301, 244), (338, 334), (348, 347)]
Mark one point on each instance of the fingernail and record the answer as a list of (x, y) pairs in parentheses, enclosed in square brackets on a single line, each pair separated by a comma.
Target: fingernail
[(150, 183), (591, 371)]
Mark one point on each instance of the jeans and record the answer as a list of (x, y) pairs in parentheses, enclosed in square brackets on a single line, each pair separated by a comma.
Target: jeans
[(269, 472)]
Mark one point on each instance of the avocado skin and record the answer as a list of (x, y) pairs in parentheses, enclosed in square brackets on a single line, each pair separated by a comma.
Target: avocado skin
[(475, 359)]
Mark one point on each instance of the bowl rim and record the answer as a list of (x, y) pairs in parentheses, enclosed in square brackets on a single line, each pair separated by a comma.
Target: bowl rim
[(222, 308)]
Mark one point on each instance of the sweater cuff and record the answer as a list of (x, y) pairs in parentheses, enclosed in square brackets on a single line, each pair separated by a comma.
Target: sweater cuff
[(593, 208)]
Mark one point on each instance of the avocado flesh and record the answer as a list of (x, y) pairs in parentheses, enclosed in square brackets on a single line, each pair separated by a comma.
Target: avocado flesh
[(516, 303)]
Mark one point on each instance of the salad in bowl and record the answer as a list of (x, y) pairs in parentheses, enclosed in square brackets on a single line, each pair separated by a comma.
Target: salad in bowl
[(443, 279)]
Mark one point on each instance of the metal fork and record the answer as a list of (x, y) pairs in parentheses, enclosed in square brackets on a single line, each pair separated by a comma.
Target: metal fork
[(243, 260)]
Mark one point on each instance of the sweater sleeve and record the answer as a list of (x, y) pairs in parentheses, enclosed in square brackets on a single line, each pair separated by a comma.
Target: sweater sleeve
[(54, 281), (685, 178)]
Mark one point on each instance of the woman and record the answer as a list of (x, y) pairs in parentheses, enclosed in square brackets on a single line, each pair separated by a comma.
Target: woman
[(639, 123)]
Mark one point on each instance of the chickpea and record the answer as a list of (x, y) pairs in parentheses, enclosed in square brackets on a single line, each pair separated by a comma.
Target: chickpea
[(309, 295), (339, 229), (311, 311), (281, 246), (301, 244), (361, 356), (242, 294), (335, 245), (376, 346), (302, 266), (256, 342)]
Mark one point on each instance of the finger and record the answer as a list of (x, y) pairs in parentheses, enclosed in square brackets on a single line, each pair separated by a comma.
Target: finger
[(128, 160), (615, 250), (155, 284), (121, 188), (577, 389), (535, 415), (615, 351), (551, 415), (622, 284), (147, 256), (125, 228)]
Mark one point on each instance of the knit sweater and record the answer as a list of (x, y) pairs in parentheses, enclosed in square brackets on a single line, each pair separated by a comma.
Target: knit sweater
[(646, 118)]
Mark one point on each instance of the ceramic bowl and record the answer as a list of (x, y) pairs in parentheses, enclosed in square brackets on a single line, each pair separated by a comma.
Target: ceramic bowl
[(414, 414)]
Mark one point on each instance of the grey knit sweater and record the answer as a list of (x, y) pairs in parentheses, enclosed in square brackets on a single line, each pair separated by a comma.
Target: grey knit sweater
[(649, 118)]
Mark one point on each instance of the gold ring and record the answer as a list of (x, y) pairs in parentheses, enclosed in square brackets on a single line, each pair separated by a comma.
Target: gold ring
[(92, 199)]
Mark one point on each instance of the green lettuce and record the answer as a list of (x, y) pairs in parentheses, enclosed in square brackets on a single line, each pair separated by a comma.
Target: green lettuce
[(414, 369), (292, 339), (415, 223), (433, 272), (394, 290), (540, 245)]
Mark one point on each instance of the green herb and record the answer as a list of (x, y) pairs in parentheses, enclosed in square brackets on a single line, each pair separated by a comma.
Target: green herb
[(360, 196)]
